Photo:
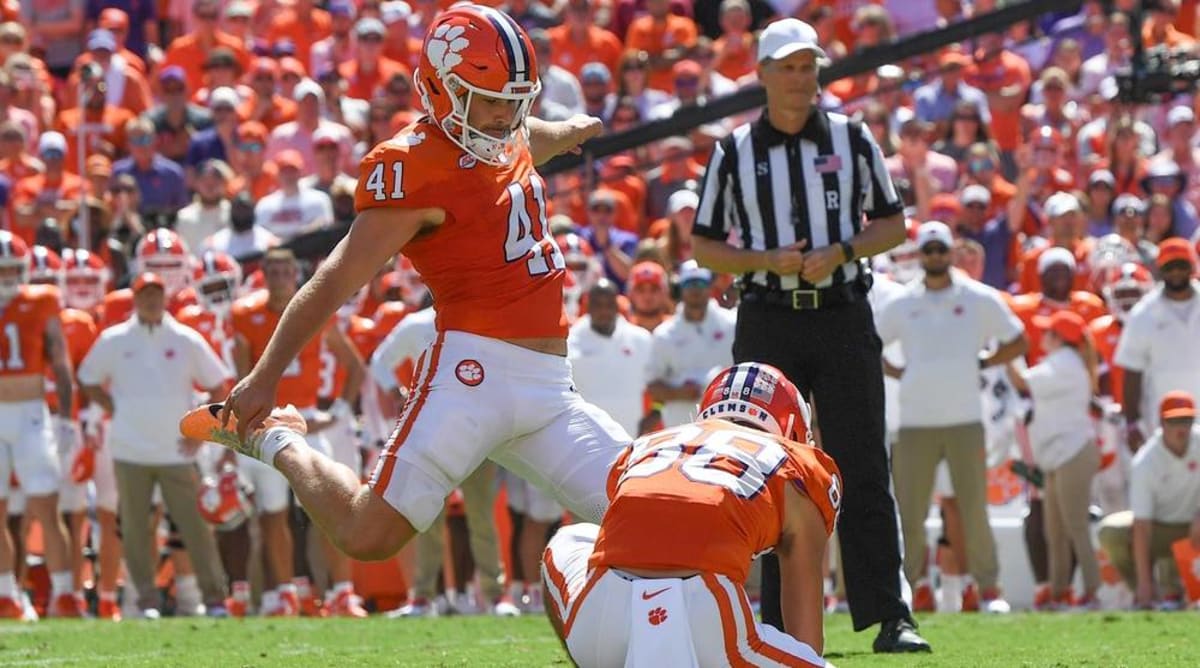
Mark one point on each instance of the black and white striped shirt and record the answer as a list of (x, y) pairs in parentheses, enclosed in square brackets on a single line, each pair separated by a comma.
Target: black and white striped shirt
[(764, 189)]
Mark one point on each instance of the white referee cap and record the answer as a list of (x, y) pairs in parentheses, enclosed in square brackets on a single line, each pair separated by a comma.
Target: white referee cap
[(787, 36), (934, 231)]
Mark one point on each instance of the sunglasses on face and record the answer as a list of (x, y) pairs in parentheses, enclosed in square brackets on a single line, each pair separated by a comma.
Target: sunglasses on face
[(600, 208), (370, 39), (222, 109), (980, 165), (141, 140), (934, 249), (976, 205), (253, 147), (122, 189)]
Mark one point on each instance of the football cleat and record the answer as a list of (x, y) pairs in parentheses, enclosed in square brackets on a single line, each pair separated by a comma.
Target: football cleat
[(346, 604), (10, 608), (288, 606), (151, 614), (235, 607), (923, 598), (505, 607), (994, 603), (108, 609), (67, 606), (1043, 598), (204, 424)]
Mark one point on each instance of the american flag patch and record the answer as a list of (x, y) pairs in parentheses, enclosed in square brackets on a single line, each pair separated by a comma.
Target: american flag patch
[(824, 164)]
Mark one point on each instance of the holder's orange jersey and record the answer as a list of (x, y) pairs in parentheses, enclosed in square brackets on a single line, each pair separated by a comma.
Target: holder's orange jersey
[(302, 378), (1087, 305), (23, 330), (80, 331), (1106, 332), (364, 336), (118, 305), (708, 496), (387, 316), (217, 331), (492, 265)]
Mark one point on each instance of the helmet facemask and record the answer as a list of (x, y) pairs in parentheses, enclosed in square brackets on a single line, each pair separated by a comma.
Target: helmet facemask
[(84, 289), (480, 144)]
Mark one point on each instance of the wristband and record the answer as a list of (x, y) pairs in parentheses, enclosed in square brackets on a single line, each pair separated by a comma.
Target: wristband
[(847, 250)]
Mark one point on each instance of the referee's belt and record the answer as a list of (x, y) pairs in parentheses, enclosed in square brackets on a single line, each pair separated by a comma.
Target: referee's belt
[(805, 300)]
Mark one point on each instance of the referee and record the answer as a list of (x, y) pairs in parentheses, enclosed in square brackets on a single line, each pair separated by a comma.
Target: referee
[(783, 205)]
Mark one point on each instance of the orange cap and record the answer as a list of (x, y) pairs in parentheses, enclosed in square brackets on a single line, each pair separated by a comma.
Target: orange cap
[(252, 131), (1173, 250), (944, 203), (98, 165), (1067, 325), (1177, 404), (146, 279)]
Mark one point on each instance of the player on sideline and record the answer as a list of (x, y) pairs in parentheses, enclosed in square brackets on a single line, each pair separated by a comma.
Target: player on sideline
[(659, 582), (458, 192)]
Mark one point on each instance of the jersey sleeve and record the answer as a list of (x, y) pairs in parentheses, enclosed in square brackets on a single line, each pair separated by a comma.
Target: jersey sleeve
[(400, 173), (816, 474)]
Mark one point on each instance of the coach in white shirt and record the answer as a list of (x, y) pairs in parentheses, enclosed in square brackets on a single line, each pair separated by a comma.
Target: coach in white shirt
[(691, 348), (610, 358), (1164, 500), (1159, 346), (407, 340), (143, 372), (943, 323)]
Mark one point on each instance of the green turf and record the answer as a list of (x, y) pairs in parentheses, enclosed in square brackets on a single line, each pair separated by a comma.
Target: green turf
[(962, 641)]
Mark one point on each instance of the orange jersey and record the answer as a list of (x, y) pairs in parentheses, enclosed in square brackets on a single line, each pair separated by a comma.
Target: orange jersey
[(387, 316), (217, 331), (23, 330), (708, 496), (492, 265), (80, 331), (364, 336), (1027, 272), (118, 305), (1087, 305), (1106, 332), (254, 322)]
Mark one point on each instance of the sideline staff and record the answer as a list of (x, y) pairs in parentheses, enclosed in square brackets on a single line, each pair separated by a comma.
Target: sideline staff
[(791, 190)]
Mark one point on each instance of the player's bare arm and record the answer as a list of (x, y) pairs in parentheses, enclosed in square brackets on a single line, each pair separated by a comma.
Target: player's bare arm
[(374, 238), (548, 139), (801, 552), (56, 355)]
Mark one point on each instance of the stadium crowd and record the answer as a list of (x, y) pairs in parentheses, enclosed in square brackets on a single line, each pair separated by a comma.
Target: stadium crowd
[(157, 157)]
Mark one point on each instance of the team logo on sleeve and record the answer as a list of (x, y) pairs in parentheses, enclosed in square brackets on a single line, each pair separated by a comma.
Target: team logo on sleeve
[(469, 373)]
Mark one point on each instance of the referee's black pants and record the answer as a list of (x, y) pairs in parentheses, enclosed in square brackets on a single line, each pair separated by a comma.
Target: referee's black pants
[(832, 355)]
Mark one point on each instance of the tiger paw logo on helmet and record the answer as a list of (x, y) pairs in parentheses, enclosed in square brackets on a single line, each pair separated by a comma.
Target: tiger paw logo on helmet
[(444, 46)]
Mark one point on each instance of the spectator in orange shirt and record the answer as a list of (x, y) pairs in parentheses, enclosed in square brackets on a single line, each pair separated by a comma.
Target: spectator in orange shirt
[(1065, 229), (301, 23), (579, 40), (52, 194), (1125, 159), (735, 47), (255, 174), (400, 45), (1159, 26), (103, 126), (222, 70), (665, 37), (266, 105), (676, 169), (116, 21), (369, 70), (621, 173), (239, 22), (291, 73), (338, 47), (124, 87), (982, 166), (1005, 78), (191, 50), (15, 160), (98, 171)]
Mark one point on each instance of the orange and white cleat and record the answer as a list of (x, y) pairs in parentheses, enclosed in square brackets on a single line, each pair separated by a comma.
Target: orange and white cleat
[(108, 609), (236, 608), (346, 604), (11, 608), (204, 424), (288, 606), (67, 606)]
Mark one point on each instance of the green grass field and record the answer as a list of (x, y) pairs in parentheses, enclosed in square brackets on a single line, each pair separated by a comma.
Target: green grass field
[(962, 641)]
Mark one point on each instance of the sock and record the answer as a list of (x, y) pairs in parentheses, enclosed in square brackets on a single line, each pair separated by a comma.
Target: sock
[(270, 601), (62, 583), (8, 585), (241, 591), (303, 586), (288, 588), (275, 440)]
